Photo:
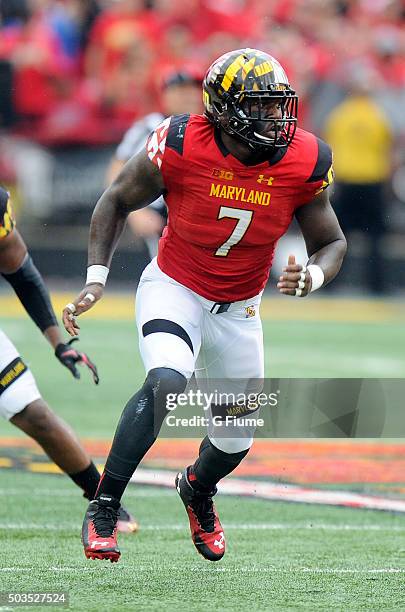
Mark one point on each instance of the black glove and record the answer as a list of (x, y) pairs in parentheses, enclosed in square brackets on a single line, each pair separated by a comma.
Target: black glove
[(69, 357)]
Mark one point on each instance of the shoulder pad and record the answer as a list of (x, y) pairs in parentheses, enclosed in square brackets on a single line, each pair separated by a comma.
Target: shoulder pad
[(323, 163), (176, 132)]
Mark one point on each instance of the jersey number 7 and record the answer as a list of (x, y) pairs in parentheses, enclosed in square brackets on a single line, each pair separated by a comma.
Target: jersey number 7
[(244, 218)]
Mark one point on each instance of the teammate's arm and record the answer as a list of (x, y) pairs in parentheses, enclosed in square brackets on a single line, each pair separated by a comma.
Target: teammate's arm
[(325, 242), (17, 267), (139, 183)]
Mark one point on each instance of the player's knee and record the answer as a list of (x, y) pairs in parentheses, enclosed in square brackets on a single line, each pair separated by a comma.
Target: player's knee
[(165, 381), (150, 404), (37, 419)]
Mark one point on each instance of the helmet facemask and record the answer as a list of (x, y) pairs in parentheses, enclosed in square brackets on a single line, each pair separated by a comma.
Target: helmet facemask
[(261, 119)]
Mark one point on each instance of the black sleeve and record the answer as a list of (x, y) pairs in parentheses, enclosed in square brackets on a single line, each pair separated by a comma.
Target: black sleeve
[(176, 132), (323, 163), (30, 288)]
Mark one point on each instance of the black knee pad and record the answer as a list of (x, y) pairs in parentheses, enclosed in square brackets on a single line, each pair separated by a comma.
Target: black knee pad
[(164, 381), (146, 410)]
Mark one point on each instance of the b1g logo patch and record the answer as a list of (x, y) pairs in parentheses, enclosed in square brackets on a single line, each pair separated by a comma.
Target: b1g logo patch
[(223, 174), (250, 311)]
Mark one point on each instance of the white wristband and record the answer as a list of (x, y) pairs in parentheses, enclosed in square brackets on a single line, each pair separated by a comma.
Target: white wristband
[(97, 274), (317, 276)]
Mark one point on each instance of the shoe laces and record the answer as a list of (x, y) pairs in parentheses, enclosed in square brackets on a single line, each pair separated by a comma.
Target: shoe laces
[(203, 508), (104, 520)]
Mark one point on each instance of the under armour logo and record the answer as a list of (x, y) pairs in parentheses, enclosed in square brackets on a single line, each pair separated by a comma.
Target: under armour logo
[(265, 179), (220, 542), (95, 543)]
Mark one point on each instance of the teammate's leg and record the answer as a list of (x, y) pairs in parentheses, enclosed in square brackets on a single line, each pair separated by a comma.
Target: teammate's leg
[(169, 337), (21, 403), (233, 364), (60, 444)]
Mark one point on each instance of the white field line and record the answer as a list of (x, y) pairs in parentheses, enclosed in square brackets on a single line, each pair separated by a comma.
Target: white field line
[(38, 492), (280, 492), (230, 570), (227, 526), (247, 488)]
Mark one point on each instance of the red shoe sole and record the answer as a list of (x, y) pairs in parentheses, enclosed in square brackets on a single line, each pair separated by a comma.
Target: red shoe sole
[(108, 556)]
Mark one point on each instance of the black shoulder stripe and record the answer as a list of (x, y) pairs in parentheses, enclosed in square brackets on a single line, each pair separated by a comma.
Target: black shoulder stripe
[(3, 202), (176, 132), (323, 163)]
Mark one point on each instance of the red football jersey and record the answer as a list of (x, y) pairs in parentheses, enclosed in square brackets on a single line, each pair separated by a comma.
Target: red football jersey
[(225, 217)]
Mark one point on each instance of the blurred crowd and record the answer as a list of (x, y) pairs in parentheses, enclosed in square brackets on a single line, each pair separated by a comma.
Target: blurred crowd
[(84, 70), (77, 74)]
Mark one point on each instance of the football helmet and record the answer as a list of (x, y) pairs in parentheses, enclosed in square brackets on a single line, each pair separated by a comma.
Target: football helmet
[(246, 92)]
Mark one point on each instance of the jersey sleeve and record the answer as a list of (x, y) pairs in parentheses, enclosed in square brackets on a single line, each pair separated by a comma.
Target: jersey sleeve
[(322, 174), (166, 143), (156, 143), (7, 221)]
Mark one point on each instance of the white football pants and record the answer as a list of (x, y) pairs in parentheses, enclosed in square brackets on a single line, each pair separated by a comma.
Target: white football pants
[(17, 390), (217, 346)]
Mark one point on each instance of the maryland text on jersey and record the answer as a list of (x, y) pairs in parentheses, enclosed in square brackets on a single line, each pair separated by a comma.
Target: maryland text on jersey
[(240, 194)]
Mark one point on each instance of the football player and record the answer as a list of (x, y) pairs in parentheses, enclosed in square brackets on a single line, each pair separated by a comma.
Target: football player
[(234, 179), (20, 401)]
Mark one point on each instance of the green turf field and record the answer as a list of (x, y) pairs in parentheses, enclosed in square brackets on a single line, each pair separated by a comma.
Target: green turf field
[(280, 556), (293, 349)]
